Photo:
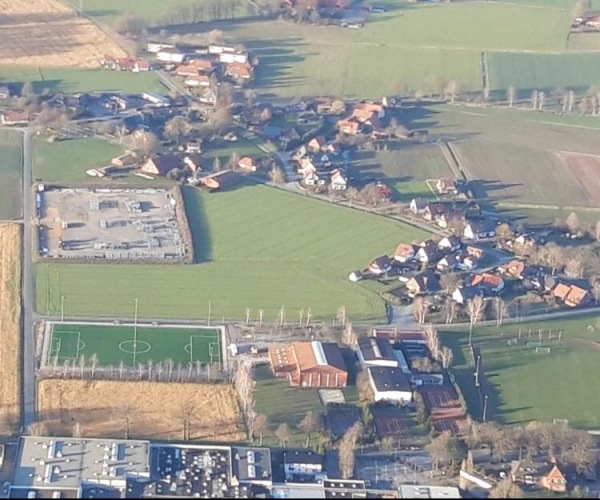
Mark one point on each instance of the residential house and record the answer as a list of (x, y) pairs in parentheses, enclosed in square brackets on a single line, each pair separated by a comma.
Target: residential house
[(170, 54), (219, 48), (434, 210), (161, 165), (186, 70), (124, 160), (14, 118), (219, 180), (389, 384), (480, 229), (156, 99), (289, 138), (348, 127), (303, 465), (307, 167), (561, 291), (418, 205), (453, 219), (375, 352), (577, 297), (239, 71), (463, 295), (197, 81), (316, 145), (449, 243), (247, 164), (193, 147), (446, 186), (468, 263), (449, 262), (371, 108), (514, 269), (155, 47), (141, 65), (423, 283), (208, 96), (380, 265), (202, 65), (338, 181), (193, 161), (4, 92), (309, 364), (489, 283), (428, 252), (543, 475), (404, 252)]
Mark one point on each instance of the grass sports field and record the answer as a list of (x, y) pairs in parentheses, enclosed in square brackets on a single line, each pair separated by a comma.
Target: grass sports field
[(11, 181), (257, 247), (70, 80), (525, 383), (130, 344)]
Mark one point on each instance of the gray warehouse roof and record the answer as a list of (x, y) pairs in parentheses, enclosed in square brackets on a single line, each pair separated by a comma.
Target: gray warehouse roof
[(44, 462), (374, 349), (389, 379)]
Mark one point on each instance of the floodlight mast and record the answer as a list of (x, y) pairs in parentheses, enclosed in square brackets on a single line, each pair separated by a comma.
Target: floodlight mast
[(135, 330)]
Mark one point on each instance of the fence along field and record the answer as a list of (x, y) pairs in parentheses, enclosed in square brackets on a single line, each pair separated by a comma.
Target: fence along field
[(46, 33), (257, 247), (10, 333)]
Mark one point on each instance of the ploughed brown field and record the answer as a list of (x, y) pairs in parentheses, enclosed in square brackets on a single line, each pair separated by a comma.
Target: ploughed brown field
[(10, 333), (47, 33), (585, 169), (151, 410)]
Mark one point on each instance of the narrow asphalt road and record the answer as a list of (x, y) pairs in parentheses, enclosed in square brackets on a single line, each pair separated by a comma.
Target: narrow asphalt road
[(28, 372)]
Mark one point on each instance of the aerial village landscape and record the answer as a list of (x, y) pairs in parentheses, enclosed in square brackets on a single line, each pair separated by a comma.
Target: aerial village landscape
[(299, 248)]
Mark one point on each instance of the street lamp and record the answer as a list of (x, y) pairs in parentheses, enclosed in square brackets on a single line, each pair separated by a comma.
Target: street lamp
[(485, 400)]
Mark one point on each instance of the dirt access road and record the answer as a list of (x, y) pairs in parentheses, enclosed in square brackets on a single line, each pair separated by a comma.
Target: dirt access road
[(47, 33)]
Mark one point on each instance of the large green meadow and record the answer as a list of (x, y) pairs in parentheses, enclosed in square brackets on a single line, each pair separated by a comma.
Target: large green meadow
[(524, 385), (257, 247), (11, 179)]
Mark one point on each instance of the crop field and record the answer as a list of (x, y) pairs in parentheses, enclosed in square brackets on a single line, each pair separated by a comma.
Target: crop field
[(11, 180), (132, 343), (548, 72), (151, 410), (513, 156), (526, 380), (406, 166), (257, 247), (81, 80), (44, 33), (10, 334)]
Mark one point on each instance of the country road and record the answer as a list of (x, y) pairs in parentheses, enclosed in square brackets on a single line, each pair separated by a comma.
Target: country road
[(28, 375)]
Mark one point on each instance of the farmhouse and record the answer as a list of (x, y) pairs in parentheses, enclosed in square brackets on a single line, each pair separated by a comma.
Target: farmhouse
[(161, 164), (514, 269), (14, 118), (375, 352), (390, 384), (338, 181), (543, 475), (446, 186), (571, 295), (220, 180), (309, 364)]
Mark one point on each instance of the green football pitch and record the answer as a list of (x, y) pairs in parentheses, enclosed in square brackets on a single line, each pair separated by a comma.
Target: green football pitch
[(130, 344)]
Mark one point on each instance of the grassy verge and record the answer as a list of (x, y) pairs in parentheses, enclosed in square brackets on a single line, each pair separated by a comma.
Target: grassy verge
[(11, 180)]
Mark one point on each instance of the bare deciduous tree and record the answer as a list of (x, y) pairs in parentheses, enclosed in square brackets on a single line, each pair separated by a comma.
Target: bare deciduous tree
[(39, 428), (77, 430), (420, 310), (365, 391), (573, 223), (283, 433), (444, 449), (510, 95), (446, 357), (260, 426), (347, 459), (475, 307), (449, 281), (501, 309), (186, 413), (505, 488), (276, 175), (432, 339), (349, 335), (309, 424), (450, 308)]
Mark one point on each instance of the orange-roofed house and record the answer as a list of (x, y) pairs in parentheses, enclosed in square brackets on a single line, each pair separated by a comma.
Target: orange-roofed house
[(404, 252), (348, 127), (309, 364), (514, 268), (247, 164), (186, 70), (202, 65), (577, 296), (197, 81), (14, 118), (239, 71), (561, 291), (491, 282)]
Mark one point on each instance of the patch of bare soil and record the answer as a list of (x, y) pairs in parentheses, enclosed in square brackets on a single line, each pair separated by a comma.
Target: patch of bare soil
[(147, 410), (10, 331), (47, 33)]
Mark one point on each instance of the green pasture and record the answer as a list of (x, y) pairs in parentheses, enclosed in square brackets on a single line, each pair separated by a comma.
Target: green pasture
[(257, 247), (81, 80), (11, 179), (525, 385), (131, 344), (527, 72)]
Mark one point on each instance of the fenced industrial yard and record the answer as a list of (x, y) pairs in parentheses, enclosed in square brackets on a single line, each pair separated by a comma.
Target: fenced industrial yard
[(112, 224)]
